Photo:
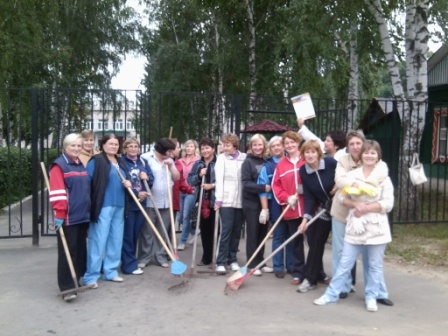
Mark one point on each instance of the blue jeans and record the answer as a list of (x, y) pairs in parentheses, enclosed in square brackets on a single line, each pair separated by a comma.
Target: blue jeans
[(186, 205), (281, 234), (337, 245), (231, 223), (105, 239), (375, 254), (382, 290)]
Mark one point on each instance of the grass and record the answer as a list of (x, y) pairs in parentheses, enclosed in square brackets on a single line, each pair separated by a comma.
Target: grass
[(420, 244)]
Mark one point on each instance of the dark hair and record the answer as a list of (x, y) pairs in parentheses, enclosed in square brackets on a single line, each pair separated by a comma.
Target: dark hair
[(207, 142), (164, 145), (106, 138), (339, 138)]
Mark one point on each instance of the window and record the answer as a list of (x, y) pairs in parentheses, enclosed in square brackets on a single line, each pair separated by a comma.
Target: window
[(130, 125), (89, 125), (439, 134), (100, 124), (103, 124), (119, 124)]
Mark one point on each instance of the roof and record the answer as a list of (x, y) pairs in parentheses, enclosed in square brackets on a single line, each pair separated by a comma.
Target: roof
[(438, 67), (266, 126)]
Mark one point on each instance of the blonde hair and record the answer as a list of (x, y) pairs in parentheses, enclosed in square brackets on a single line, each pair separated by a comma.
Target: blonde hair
[(191, 142), (71, 138), (257, 137), (232, 139)]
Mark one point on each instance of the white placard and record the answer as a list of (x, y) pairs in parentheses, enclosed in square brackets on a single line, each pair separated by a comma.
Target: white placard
[(303, 106)]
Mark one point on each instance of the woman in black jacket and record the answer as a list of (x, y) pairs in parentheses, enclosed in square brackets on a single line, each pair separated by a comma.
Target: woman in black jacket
[(205, 166), (256, 232)]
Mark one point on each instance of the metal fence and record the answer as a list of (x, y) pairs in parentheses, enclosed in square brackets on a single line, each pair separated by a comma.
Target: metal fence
[(34, 122)]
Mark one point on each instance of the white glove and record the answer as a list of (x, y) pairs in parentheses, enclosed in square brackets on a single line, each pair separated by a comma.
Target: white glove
[(299, 189), (264, 216), (292, 200), (358, 225)]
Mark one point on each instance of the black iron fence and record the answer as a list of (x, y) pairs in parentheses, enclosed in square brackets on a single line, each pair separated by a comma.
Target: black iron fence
[(34, 122)]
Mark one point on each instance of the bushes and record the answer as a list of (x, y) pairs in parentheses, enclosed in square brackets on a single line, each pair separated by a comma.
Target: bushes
[(15, 173)]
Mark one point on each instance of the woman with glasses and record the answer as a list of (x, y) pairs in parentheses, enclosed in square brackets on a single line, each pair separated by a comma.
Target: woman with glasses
[(139, 171)]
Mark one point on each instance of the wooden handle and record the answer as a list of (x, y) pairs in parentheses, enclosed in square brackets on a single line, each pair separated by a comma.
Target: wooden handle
[(170, 201), (153, 227)]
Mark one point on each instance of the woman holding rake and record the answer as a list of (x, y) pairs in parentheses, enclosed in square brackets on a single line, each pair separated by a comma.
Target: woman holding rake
[(287, 187), (318, 181), (70, 200)]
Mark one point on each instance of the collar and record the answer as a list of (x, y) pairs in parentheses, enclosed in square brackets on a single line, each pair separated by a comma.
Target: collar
[(310, 170)]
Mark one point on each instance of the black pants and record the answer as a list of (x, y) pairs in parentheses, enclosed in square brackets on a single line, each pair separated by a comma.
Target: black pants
[(76, 236), (298, 253), (321, 230), (255, 232), (207, 227)]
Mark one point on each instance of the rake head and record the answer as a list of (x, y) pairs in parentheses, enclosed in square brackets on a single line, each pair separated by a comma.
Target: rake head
[(76, 290)]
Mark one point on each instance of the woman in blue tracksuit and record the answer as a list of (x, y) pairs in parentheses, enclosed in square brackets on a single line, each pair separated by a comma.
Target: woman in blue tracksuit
[(138, 170)]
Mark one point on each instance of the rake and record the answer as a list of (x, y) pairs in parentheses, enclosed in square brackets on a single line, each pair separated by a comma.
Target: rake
[(243, 270), (234, 282), (77, 288)]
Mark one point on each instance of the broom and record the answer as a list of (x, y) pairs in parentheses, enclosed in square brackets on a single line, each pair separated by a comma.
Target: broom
[(198, 219), (77, 289), (235, 283)]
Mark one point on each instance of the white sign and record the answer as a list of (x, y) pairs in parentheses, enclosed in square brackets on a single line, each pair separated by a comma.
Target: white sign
[(303, 106)]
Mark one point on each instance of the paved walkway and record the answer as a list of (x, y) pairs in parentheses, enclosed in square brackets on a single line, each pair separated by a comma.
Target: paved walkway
[(142, 305)]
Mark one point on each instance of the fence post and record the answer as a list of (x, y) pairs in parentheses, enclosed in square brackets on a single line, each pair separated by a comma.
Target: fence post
[(35, 165)]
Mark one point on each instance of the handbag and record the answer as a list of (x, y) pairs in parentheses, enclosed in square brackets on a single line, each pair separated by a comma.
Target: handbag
[(416, 171), (205, 208)]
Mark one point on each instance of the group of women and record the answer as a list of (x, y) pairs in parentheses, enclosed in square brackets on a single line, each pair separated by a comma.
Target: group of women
[(286, 181)]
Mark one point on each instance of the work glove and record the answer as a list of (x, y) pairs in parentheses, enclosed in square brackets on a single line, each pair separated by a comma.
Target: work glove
[(368, 189), (292, 200), (348, 190), (264, 216), (358, 225), (299, 189), (58, 223)]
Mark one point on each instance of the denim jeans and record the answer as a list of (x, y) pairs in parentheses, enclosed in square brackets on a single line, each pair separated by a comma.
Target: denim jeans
[(105, 239), (382, 290), (374, 255), (132, 227), (337, 245), (187, 202), (281, 234), (231, 223)]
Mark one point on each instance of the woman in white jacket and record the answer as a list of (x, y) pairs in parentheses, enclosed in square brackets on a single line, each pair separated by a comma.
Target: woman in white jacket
[(228, 193), (369, 199)]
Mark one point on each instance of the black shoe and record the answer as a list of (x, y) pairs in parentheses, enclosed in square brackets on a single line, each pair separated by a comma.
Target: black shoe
[(280, 274), (385, 302), (343, 295)]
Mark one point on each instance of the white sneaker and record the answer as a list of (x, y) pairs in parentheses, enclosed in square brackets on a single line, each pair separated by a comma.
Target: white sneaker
[(69, 297), (257, 273), (138, 271), (191, 240), (141, 265), (305, 286), (181, 247), (322, 301), (372, 306), (267, 269), (220, 270), (234, 267)]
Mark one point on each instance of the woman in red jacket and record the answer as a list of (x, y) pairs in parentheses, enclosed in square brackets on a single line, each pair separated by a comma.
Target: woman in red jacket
[(287, 188)]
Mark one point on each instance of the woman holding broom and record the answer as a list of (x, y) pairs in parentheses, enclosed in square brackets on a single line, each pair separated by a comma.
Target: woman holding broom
[(70, 200)]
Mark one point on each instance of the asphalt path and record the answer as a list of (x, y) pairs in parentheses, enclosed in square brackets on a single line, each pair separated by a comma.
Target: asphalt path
[(144, 305)]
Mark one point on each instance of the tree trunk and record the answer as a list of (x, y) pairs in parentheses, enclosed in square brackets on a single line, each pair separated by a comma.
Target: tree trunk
[(252, 64)]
